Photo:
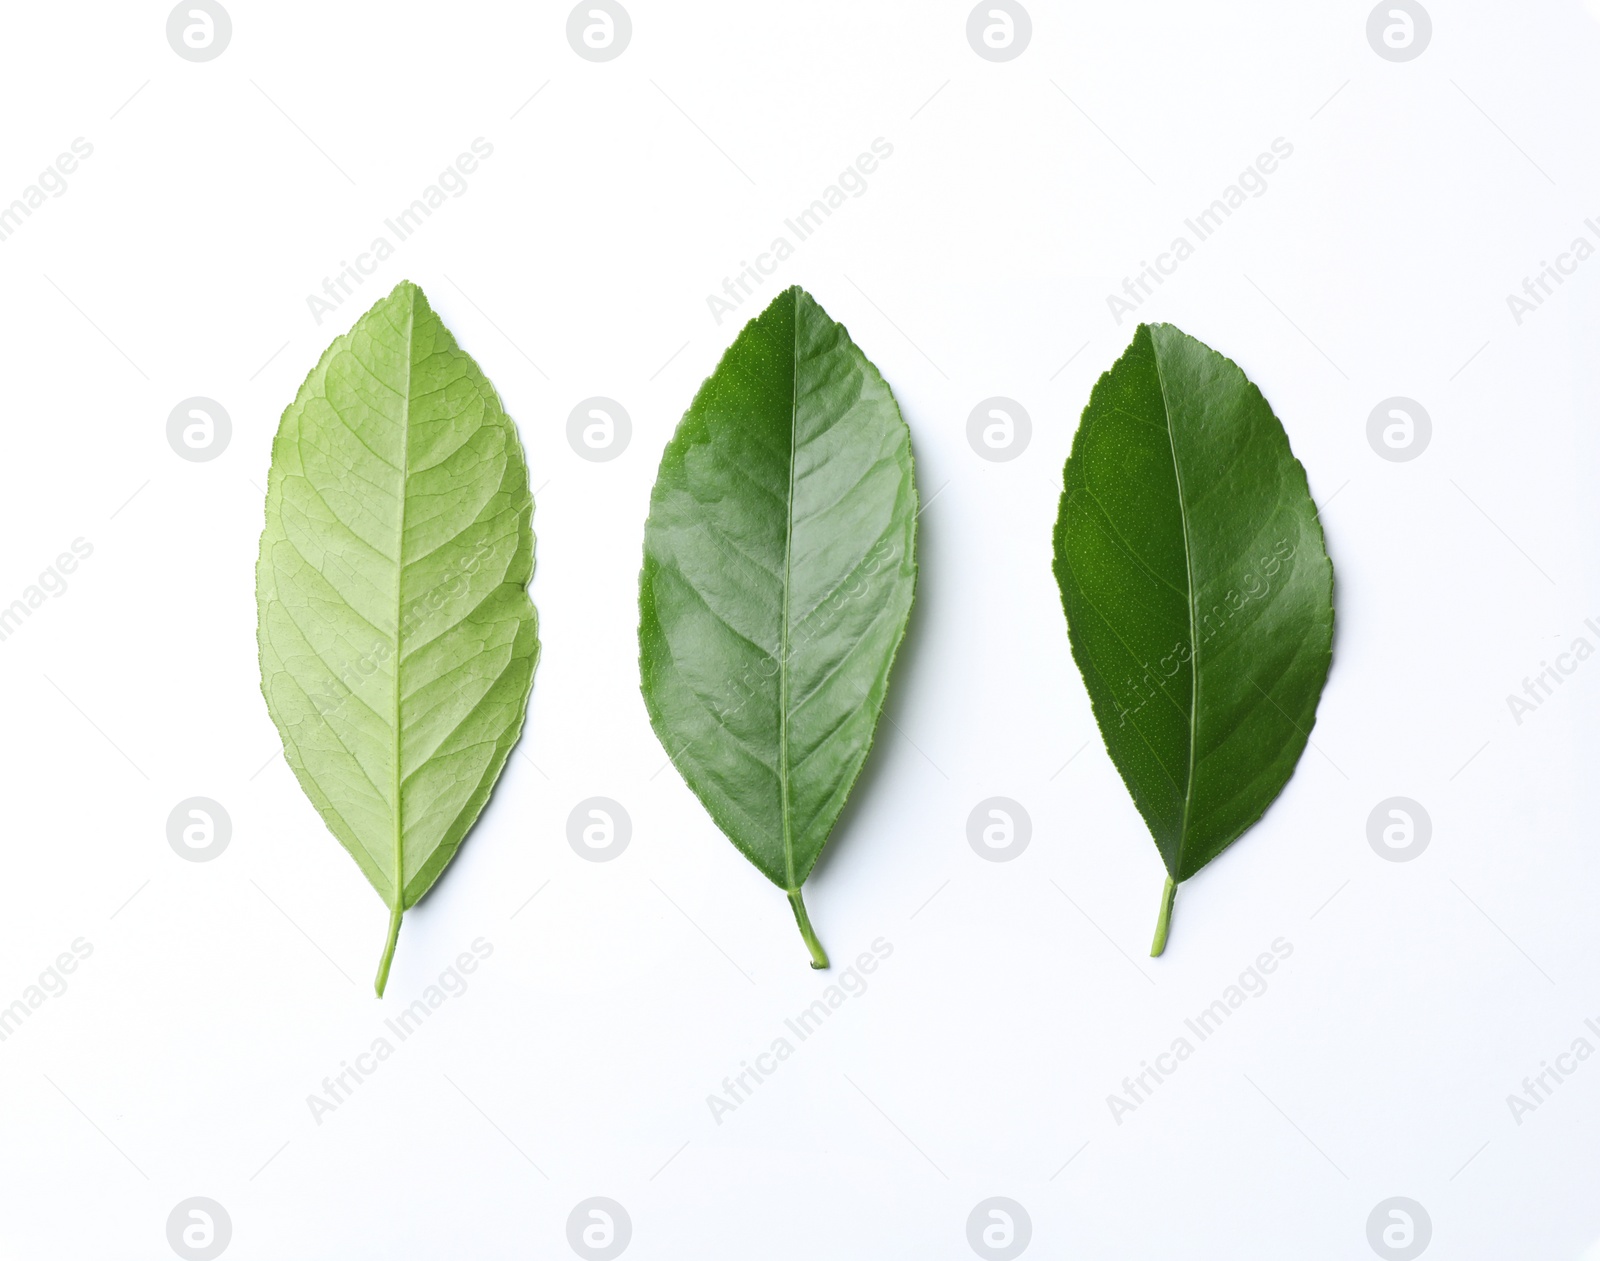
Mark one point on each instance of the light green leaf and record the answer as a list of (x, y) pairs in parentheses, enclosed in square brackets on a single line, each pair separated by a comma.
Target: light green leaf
[(1198, 593), (397, 638), (778, 575)]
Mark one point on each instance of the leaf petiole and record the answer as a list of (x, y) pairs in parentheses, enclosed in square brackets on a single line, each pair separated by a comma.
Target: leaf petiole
[(1165, 920), (819, 956), (388, 948)]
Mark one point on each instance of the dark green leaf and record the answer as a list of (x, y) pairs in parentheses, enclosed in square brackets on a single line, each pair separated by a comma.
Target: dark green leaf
[(1198, 593), (778, 575)]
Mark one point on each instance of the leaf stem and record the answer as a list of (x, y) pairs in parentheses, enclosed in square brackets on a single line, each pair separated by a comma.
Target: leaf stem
[(819, 956), (1165, 920), (388, 947)]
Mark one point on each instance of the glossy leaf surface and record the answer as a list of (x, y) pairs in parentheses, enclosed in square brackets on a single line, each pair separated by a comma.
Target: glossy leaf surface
[(1198, 593), (778, 576)]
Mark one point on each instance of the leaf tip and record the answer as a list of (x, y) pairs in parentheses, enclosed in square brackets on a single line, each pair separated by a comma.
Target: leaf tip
[(410, 291)]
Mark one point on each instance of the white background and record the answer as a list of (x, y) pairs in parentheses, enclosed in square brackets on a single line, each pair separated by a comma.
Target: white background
[(1377, 1064)]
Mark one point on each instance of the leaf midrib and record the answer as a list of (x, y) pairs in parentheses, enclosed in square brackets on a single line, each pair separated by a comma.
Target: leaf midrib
[(1194, 639), (399, 603), (783, 630)]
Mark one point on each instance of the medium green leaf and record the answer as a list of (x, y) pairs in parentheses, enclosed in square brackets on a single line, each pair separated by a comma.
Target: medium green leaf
[(397, 638), (1198, 593), (779, 568)]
